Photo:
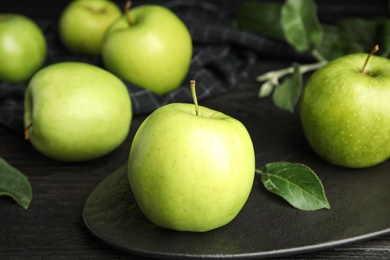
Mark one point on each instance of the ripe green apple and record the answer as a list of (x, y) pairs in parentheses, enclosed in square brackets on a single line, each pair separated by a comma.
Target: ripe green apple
[(345, 111), (150, 47), (76, 111), (191, 172), (22, 48), (83, 23)]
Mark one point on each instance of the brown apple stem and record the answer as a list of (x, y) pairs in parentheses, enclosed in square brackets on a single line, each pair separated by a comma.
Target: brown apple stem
[(193, 93), (127, 14), (26, 135), (375, 49)]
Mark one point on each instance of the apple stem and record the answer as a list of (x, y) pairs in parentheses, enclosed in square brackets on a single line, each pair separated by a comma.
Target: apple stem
[(26, 135), (193, 93), (127, 14), (375, 49)]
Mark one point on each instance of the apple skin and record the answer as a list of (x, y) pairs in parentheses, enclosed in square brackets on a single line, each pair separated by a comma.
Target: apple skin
[(22, 48), (76, 111), (345, 113), (83, 24), (188, 172), (154, 52)]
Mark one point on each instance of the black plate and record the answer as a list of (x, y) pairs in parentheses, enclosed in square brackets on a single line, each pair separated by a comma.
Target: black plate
[(267, 226)]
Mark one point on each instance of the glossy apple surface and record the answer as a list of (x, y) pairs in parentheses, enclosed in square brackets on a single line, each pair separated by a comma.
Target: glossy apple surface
[(22, 48), (76, 112), (154, 52), (189, 172), (345, 113), (83, 23)]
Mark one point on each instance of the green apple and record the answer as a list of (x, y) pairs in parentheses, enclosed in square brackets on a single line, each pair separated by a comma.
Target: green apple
[(345, 111), (189, 171), (149, 46), (83, 23), (22, 48), (76, 111)]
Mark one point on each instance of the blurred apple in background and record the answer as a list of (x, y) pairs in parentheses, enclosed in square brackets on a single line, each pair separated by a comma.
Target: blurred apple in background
[(149, 46), (75, 111), (83, 23), (22, 48)]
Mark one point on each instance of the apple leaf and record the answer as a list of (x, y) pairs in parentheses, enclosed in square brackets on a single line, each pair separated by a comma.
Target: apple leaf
[(261, 18), (15, 184), (300, 24), (336, 43), (384, 36), (286, 95), (384, 26), (361, 32), (296, 183)]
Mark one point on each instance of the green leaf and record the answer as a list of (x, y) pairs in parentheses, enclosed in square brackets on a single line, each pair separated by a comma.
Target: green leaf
[(286, 95), (335, 43), (261, 18), (384, 36), (361, 33), (351, 35), (296, 183), (300, 24), (15, 184)]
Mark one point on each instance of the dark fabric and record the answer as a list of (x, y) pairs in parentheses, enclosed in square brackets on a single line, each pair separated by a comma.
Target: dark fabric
[(222, 57)]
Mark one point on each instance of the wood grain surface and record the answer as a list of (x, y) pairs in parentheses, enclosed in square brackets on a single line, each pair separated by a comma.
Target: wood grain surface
[(53, 228)]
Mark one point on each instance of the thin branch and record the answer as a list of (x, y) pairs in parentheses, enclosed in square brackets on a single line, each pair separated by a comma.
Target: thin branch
[(275, 75)]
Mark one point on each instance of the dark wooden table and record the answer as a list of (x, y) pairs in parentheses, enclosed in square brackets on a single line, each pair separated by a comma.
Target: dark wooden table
[(53, 227)]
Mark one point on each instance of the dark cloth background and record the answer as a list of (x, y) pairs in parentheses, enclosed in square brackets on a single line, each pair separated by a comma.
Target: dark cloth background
[(222, 57)]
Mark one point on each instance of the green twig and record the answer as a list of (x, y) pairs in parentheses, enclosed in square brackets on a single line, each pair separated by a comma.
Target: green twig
[(275, 75), (318, 55), (258, 171)]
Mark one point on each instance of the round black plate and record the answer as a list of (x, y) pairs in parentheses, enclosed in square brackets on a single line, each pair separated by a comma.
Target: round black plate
[(267, 226)]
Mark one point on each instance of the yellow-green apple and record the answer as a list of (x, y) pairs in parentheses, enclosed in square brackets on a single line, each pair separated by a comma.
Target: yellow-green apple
[(22, 48), (191, 169), (83, 23), (345, 111), (75, 111), (149, 46)]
